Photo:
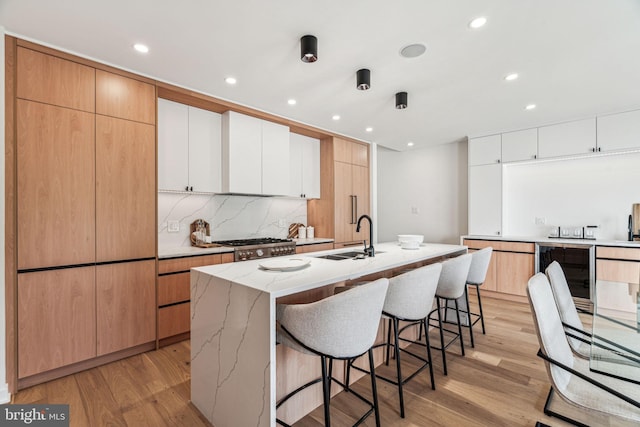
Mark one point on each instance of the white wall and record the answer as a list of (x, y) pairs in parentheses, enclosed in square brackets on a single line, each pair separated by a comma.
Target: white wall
[(571, 192), (431, 180), (4, 393)]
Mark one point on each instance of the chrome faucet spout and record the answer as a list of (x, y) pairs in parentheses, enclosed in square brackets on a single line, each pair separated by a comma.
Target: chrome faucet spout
[(369, 251)]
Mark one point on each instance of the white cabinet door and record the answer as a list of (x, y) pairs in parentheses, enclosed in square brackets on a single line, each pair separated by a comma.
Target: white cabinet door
[(485, 200), (619, 131), (241, 154), (520, 145), (275, 159), (205, 136), (485, 150), (311, 169), (565, 139), (304, 171), (173, 146)]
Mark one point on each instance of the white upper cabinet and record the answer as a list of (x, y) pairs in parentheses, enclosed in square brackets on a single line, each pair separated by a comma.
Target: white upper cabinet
[(304, 171), (485, 200), (619, 131), (485, 150), (255, 155), (520, 145), (188, 148), (565, 139)]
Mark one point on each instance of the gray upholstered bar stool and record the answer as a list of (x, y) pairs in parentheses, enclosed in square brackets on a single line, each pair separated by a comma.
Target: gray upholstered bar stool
[(477, 274), (409, 298), (451, 286), (343, 326)]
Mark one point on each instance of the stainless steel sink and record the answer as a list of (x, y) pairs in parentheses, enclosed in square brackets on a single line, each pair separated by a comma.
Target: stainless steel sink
[(346, 255)]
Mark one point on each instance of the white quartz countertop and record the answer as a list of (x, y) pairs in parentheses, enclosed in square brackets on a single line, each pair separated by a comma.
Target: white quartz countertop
[(183, 251), (529, 239), (321, 272)]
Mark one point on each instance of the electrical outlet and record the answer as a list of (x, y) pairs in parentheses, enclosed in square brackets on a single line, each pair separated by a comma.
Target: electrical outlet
[(415, 210), (541, 220), (173, 226)]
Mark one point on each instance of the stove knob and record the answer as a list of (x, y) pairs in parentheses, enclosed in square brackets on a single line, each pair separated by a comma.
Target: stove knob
[(259, 252)]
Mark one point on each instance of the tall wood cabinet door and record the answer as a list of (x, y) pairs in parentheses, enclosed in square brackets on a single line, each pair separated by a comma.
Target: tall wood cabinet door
[(125, 98), (125, 189), (173, 146), (56, 319), (56, 185), (344, 203), (514, 271), (126, 305), (55, 81), (361, 191)]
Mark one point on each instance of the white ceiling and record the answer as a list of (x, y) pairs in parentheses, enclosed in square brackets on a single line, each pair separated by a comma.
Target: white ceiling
[(575, 58)]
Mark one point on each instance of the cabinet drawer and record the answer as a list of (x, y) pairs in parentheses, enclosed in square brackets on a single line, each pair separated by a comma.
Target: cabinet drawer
[(618, 271), (185, 264), (303, 249), (174, 288), (174, 320), (618, 253), (499, 245)]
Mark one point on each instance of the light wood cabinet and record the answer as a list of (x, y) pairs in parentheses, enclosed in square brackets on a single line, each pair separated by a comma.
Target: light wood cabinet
[(55, 81), (189, 148), (349, 152), (352, 201), (125, 305), (125, 189), (485, 150), (174, 294), (512, 265), (564, 139), (56, 319), (125, 98), (520, 145), (255, 155), (618, 264), (55, 186), (304, 170), (317, 247)]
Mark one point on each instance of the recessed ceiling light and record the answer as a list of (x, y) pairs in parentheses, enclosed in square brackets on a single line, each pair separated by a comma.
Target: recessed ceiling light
[(413, 50), (510, 77), (369, 129), (410, 144), (530, 107), (291, 102), (141, 48), (231, 80), (478, 22), (335, 117)]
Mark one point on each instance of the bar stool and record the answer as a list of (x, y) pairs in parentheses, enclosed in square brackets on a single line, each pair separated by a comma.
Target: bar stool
[(477, 274), (451, 286), (340, 327), (409, 299)]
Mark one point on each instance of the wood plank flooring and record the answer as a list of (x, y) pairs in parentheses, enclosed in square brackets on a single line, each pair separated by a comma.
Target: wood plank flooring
[(500, 382)]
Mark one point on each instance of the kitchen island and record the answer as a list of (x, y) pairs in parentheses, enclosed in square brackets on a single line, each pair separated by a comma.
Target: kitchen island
[(233, 342)]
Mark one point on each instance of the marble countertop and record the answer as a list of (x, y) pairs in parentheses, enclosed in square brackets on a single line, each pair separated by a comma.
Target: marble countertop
[(321, 272), (530, 239), (182, 251)]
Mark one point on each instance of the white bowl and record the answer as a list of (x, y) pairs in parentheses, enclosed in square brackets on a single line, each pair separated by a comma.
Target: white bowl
[(410, 241)]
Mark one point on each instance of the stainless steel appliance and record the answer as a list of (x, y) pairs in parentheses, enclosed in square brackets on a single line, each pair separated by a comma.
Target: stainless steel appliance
[(262, 247), (578, 263)]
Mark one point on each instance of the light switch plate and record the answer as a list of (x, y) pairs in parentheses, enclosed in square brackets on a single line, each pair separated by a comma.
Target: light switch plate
[(173, 226)]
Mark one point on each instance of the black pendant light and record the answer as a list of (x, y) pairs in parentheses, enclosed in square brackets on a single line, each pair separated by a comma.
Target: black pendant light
[(363, 79), (401, 100), (309, 48)]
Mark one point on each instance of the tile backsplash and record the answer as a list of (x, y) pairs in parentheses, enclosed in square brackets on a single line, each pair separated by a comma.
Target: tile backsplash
[(229, 216)]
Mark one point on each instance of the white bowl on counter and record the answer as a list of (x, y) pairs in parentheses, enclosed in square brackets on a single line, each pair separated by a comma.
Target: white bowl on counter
[(410, 241)]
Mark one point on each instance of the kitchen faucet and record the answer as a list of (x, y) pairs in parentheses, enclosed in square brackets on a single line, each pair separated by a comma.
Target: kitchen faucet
[(369, 251)]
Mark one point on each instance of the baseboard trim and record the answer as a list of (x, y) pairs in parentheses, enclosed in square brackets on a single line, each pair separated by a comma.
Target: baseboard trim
[(5, 396)]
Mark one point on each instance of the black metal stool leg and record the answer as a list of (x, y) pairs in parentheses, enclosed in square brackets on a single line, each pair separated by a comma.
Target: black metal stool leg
[(388, 342), (469, 320), (459, 327), (480, 307), (326, 392), (444, 355), (374, 389), (398, 369), (426, 337)]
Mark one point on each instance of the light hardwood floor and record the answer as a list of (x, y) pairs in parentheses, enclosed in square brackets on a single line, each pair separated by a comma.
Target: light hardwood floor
[(499, 383)]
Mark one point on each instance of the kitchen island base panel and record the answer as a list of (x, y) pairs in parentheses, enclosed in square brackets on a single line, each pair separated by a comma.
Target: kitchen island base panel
[(233, 381)]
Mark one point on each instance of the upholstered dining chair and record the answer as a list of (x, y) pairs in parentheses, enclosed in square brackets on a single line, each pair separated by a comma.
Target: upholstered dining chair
[(340, 327), (569, 375)]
